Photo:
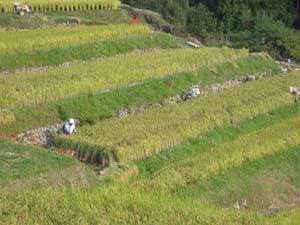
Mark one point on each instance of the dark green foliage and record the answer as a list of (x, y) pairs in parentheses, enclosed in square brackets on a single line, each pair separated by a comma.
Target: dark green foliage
[(232, 12), (175, 11), (273, 37), (258, 25), (229, 12), (201, 21)]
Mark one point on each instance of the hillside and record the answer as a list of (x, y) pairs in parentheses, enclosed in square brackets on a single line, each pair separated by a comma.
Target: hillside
[(271, 26), (166, 133)]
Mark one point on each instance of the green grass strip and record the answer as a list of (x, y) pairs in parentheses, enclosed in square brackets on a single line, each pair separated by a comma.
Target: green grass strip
[(85, 51), (19, 161), (92, 108)]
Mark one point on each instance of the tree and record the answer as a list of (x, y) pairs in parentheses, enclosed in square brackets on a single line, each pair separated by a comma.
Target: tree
[(174, 11), (201, 21)]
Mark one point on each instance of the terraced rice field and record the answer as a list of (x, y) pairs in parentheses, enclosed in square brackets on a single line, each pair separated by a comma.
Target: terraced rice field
[(63, 5), (99, 106), (187, 162), (54, 37), (85, 51), (92, 76), (142, 135)]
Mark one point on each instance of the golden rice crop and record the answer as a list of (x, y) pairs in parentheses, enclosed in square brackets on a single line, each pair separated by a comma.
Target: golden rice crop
[(47, 38), (109, 73), (123, 204), (141, 135), (62, 5)]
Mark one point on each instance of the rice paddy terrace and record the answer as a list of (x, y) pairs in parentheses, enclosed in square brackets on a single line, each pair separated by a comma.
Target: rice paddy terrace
[(143, 153)]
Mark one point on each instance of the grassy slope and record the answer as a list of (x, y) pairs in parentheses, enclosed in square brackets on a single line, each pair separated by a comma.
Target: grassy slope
[(19, 162), (85, 51), (132, 202), (91, 108), (31, 168), (144, 134)]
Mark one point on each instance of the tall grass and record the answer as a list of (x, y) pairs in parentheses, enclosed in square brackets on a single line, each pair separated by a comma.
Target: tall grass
[(25, 89), (62, 5), (53, 37), (142, 135)]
